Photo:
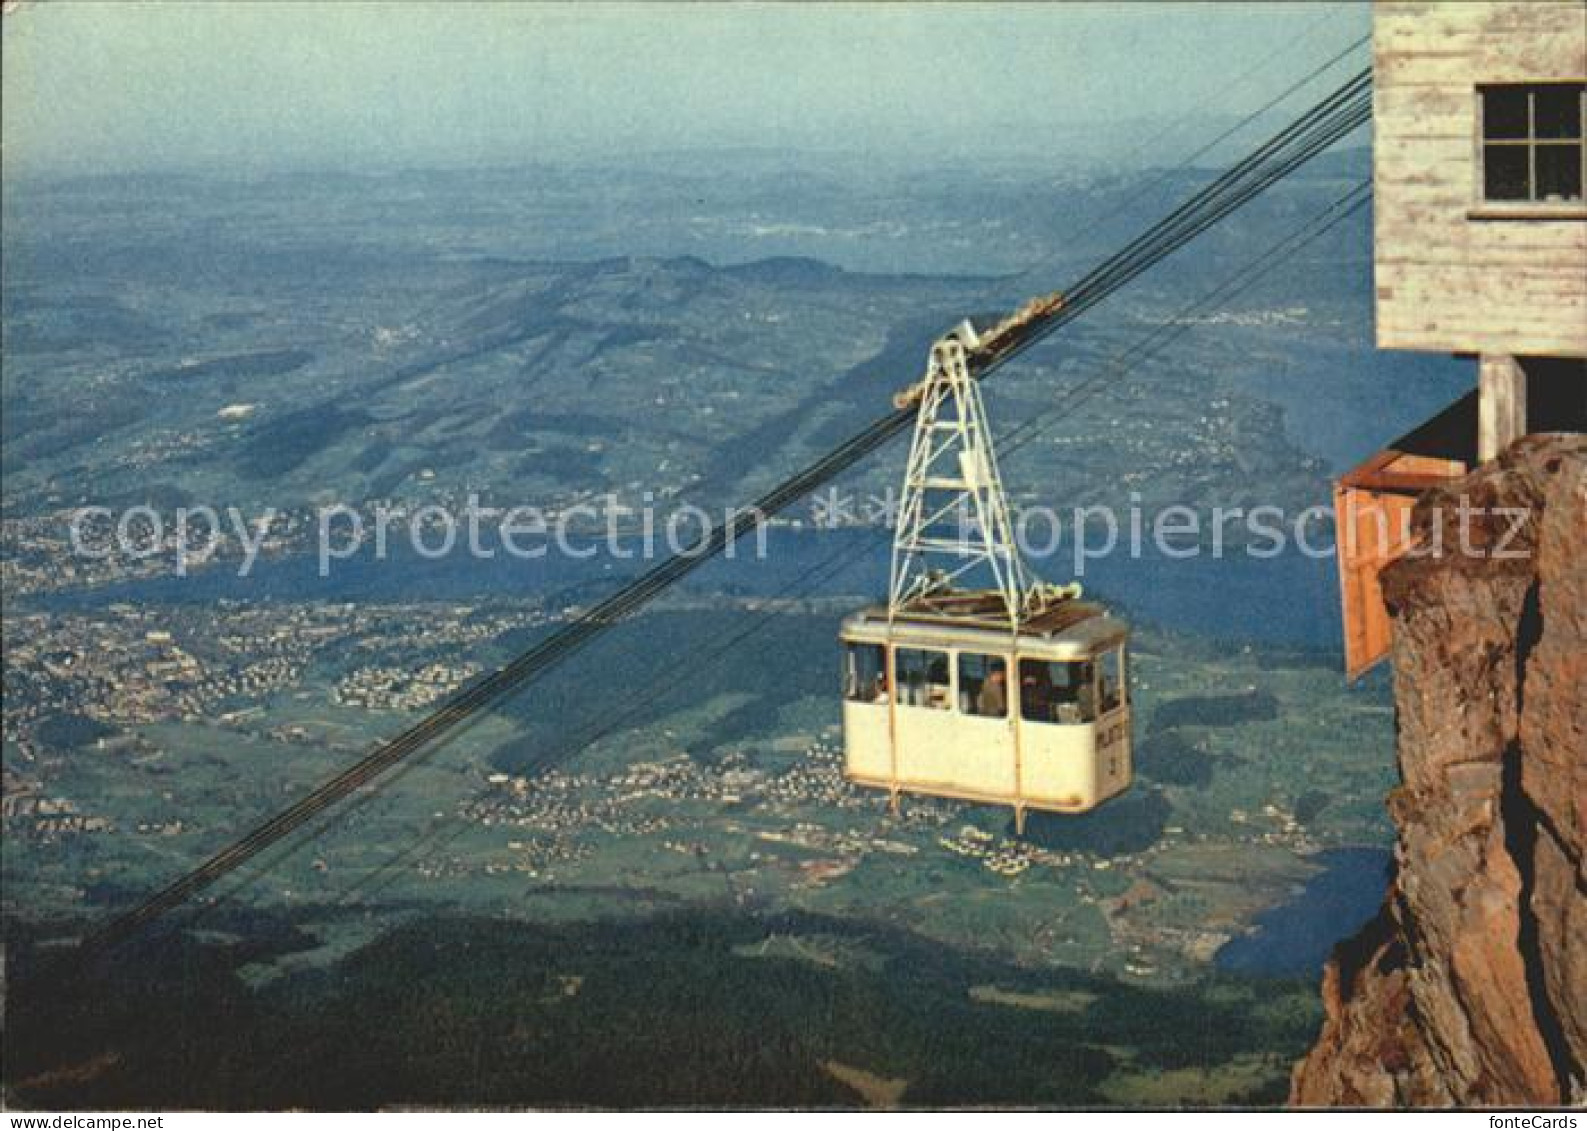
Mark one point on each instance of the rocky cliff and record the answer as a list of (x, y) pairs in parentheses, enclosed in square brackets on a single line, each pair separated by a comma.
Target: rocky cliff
[(1470, 986)]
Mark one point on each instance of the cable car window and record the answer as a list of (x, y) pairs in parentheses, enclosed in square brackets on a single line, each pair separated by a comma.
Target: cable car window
[(922, 678), (1056, 691), (865, 674), (983, 685), (1110, 682)]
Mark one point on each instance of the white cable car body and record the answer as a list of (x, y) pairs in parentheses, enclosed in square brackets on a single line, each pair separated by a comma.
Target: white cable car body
[(1014, 693)]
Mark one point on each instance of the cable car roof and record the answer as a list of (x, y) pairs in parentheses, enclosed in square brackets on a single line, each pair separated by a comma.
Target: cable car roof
[(1065, 630)]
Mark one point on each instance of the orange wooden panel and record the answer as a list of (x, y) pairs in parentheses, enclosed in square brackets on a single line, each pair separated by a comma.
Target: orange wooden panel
[(1372, 516)]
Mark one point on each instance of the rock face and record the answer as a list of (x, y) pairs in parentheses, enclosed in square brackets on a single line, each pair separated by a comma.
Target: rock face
[(1470, 986)]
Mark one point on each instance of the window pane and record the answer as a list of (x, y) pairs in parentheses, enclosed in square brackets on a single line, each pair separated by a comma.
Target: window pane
[(1504, 112), (864, 674), (983, 686), (922, 678), (1110, 693), (1056, 692), (1504, 173), (1559, 172), (1557, 110)]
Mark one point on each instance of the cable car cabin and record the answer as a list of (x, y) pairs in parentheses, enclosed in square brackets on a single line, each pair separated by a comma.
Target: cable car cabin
[(1013, 694), (964, 707)]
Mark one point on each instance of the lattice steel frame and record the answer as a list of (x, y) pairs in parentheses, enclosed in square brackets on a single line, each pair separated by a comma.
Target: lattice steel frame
[(952, 476)]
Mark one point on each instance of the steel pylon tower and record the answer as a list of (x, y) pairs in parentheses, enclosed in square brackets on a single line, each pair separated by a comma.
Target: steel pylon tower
[(953, 517)]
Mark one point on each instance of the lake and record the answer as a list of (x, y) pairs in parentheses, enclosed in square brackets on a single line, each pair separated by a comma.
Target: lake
[(1288, 600), (1296, 937)]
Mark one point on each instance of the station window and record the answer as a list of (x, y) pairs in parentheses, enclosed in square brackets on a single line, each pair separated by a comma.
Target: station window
[(1052, 691), (983, 685), (1534, 142), (865, 673), (1110, 680), (922, 678)]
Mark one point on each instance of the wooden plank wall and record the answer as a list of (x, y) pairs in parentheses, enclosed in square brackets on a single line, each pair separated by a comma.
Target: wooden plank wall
[(1447, 282)]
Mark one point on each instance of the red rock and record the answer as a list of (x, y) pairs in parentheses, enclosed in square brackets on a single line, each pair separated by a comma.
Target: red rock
[(1470, 986)]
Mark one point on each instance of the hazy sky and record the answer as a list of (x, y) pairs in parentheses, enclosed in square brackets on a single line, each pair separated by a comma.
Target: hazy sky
[(90, 86)]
